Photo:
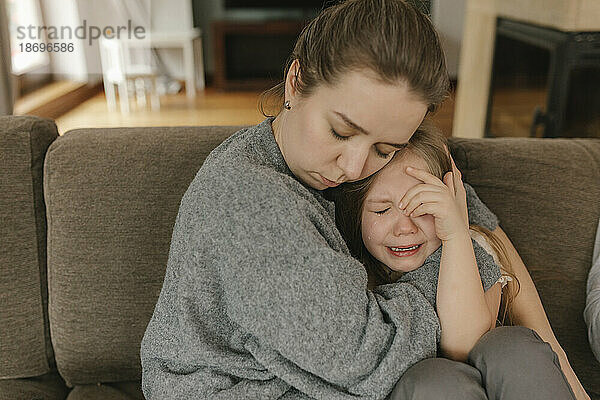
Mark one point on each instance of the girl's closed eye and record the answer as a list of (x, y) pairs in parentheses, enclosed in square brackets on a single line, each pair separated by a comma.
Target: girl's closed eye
[(382, 211)]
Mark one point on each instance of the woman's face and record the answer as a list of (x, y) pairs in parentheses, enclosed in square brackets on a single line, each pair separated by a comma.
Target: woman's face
[(400, 242), (345, 132)]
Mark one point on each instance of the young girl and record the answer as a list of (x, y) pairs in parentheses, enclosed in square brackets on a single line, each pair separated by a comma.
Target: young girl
[(401, 221), (370, 219)]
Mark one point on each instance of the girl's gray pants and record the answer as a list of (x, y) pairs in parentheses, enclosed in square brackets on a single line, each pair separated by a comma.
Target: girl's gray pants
[(508, 363)]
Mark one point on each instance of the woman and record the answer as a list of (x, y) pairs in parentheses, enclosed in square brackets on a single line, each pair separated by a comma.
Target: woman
[(261, 297)]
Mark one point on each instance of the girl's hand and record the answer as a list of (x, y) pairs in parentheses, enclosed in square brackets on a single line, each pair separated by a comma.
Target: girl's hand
[(438, 199), (459, 188)]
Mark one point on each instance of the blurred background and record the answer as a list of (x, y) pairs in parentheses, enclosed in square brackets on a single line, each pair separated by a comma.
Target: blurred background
[(517, 69)]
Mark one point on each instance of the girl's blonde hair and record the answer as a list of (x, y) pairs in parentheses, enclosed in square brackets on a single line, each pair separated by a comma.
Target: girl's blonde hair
[(511, 290), (430, 145), (391, 38)]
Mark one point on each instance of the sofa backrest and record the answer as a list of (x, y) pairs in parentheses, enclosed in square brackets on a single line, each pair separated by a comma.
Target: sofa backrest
[(112, 196), (25, 348), (546, 194)]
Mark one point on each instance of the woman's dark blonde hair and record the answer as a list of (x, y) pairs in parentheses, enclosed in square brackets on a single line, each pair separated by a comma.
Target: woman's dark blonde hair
[(430, 145), (391, 38)]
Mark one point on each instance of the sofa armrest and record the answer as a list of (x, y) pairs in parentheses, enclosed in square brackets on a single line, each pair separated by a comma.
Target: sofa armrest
[(25, 348)]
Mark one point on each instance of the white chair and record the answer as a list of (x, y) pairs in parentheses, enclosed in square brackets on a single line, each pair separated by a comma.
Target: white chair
[(189, 41), (130, 70)]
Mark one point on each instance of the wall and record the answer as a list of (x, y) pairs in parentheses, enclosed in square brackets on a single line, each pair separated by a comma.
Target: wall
[(172, 16), (448, 17), (84, 64), (71, 66)]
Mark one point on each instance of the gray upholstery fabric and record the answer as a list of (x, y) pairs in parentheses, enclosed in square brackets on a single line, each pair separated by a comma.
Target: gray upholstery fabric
[(46, 387), (112, 197), (546, 194), (108, 391), (25, 348)]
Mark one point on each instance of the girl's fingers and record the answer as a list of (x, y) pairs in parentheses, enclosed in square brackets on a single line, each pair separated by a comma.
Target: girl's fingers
[(424, 176), (456, 174), (459, 190), (422, 198), (449, 181), (423, 209), (413, 191)]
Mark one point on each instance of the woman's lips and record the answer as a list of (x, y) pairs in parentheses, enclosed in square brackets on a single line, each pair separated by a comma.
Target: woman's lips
[(327, 182), (404, 253)]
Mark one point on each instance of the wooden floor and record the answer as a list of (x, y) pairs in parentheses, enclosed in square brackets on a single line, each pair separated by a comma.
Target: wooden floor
[(512, 111), (210, 107), (511, 116)]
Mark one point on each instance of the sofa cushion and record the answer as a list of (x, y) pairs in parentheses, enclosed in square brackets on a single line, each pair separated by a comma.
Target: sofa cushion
[(112, 197), (546, 193), (108, 391), (25, 348), (46, 387)]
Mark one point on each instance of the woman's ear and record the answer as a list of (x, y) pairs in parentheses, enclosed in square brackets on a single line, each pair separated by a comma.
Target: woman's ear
[(291, 81)]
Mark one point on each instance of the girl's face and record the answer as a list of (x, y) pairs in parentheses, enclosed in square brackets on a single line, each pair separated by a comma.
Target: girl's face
[(345, 132), (400, 242)]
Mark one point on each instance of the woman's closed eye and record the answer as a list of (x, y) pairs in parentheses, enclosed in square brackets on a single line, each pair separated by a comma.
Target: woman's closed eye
[(379, 153), (338, 136), (382, 154)]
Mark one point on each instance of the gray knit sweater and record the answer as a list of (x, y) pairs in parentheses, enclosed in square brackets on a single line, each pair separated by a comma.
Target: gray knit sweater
[(262, 300)]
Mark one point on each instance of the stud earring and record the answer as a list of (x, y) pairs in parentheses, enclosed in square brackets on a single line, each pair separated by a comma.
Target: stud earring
[(287, 105)]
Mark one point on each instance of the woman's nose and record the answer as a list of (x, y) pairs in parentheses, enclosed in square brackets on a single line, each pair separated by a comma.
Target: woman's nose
[(352, 161), (403, 225)]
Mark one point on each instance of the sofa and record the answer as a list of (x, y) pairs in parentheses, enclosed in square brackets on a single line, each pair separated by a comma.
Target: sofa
[(87, 217)]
